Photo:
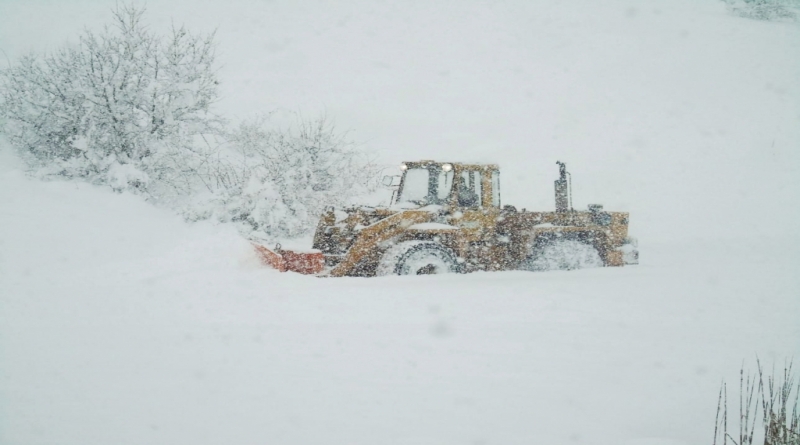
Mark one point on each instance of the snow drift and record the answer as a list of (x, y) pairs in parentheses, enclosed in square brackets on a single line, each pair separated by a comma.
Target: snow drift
[(119, 323)]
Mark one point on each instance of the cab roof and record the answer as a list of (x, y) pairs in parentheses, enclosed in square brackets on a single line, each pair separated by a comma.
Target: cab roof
[(458, 165)]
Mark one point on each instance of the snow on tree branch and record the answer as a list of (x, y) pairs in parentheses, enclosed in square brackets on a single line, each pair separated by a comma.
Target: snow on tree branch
[(124, 107), (133, 110)]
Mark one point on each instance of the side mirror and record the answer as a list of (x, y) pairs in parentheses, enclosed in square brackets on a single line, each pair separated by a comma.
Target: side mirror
[(391, 181)]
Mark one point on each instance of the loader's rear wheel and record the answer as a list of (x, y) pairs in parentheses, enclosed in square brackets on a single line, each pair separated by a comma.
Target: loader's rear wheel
[(563, 254), (417, 258)]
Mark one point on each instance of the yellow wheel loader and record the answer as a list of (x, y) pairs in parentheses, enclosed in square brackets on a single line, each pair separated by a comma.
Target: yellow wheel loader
[(447, 218)]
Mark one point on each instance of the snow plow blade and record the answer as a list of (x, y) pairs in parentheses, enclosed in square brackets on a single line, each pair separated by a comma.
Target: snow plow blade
[(307, 263)]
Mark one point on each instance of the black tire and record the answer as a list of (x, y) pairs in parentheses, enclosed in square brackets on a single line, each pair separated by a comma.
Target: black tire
[(563, 254), (417, 258)]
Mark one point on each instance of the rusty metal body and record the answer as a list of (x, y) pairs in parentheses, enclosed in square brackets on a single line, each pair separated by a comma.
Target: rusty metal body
[(476, 230)]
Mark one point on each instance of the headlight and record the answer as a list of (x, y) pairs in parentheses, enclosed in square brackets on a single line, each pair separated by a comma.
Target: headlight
[(403, 167), (447, 167)]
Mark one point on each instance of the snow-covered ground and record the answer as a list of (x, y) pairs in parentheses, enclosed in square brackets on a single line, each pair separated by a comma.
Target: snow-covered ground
[(121, 324)]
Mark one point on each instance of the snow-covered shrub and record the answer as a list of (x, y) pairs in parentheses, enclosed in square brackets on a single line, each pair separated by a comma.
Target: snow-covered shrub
[(131, 110), (123, 107), (765, 9), (277, 181)]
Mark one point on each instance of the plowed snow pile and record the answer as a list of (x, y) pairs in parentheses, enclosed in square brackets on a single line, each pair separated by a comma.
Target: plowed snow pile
[(121, 324)]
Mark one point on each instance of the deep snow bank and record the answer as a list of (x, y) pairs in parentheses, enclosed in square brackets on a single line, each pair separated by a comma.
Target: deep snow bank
[(121, 324)]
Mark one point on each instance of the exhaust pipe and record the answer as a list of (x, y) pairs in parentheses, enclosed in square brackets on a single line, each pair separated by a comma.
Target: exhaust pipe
[(563, 189)]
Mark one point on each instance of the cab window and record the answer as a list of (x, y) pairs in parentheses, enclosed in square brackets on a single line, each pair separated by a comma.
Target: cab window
[(426, 185), (469, 189)]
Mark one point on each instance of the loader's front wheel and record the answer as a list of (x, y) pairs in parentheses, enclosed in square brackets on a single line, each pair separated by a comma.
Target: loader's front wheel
[(563, 254), (417, 258)]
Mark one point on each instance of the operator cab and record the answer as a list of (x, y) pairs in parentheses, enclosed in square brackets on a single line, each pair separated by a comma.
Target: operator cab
[(441, 183)]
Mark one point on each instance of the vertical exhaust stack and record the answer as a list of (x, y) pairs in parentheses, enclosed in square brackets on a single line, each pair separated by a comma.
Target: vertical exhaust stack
[(562, 185)]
